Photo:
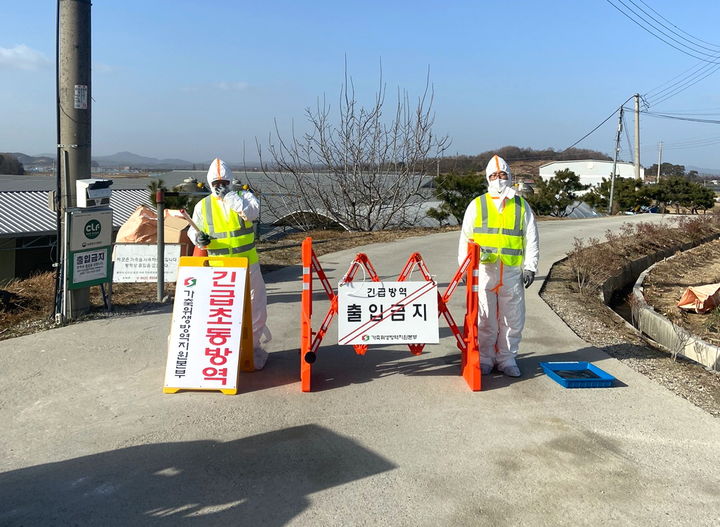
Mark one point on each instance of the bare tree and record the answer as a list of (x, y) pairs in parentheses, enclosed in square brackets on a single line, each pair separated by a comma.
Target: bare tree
[(359, 169)]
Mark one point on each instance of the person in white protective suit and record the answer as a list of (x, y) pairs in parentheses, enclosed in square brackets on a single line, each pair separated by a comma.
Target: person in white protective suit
[(225, 219), (503, 225)]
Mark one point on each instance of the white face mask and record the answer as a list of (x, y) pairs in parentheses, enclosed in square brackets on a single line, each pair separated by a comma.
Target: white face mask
[(496, 186)]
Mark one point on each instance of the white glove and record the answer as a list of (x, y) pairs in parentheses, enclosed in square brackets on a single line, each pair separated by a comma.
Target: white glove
[(236, 203)]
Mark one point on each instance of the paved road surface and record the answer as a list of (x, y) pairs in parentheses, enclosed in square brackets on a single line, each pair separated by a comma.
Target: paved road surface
[(88, 438)]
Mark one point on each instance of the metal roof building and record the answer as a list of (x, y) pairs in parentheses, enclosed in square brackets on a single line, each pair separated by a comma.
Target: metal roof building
[(27, 225), (591, 171), (26, 213)]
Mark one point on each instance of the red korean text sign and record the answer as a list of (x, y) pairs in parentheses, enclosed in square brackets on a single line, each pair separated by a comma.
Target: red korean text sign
[(211, 332)]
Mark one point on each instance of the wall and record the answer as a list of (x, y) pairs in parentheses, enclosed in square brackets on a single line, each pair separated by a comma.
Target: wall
[(7, 259)]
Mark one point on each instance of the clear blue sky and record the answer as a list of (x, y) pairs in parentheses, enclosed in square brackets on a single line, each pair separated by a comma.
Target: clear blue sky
[(193, 80)]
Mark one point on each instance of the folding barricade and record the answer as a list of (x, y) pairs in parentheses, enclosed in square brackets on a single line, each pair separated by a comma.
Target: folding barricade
[(466, 341)]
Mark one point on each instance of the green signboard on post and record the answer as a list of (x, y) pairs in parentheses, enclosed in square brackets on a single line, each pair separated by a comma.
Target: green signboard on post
[(89, 261)]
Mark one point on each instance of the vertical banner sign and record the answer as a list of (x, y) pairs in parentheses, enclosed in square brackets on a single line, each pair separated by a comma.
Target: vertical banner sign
[(211, 318), (388, 313)]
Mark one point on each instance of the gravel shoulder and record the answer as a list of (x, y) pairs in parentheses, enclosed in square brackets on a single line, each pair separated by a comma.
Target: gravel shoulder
[(598, 325)]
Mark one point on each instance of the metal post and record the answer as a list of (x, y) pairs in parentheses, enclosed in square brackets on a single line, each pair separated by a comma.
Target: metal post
[(160, 200), (637, 136), (617, 150), (74, 99), (657, 179)]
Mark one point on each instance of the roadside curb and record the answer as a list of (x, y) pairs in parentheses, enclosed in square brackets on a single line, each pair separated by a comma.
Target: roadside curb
[(668, 334)]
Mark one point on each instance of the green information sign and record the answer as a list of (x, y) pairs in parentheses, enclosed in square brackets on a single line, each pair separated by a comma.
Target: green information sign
[(88, 268)]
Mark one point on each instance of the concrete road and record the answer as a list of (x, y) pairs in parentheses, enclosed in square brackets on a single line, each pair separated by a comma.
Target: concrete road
[(88, 437)]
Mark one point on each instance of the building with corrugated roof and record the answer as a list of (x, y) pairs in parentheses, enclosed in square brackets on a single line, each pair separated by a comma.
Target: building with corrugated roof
[(590, 171), (28, 229)]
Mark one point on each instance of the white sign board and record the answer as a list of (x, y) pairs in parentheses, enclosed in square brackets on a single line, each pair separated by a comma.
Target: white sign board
[(81, 97), (204, 345), (90, 228), (136, 262), (387, 313), (89, 267)]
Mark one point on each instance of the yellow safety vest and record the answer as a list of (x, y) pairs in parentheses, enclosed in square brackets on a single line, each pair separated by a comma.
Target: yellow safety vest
[(500, 234), (230, 235)]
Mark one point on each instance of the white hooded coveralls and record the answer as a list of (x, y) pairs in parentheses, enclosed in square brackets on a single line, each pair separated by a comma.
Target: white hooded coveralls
[(501, 296), (246, 204)]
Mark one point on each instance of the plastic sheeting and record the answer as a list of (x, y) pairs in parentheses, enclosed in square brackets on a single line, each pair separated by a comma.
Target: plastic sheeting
[(700, 298)]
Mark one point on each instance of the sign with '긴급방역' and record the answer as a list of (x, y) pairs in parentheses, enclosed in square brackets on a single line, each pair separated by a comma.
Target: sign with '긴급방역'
[(211, 318), (388, 313)]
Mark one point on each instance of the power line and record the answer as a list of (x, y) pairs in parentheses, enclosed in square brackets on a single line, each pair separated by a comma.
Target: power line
[(684, 86), (690, 143), (692, 52), (673, 25), (598, 126), (627, 136), (701, 73), (692, 46), (693, 141), (700, 65), (714, 49), (697, 145), (691, 119), (695, 113)]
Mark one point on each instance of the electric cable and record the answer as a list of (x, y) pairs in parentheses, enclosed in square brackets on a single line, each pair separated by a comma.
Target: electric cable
[(700, 65), (714, 49), (598, 126), (685, 86), (692, 53), (697, 145), (627, 136), (691, 119), (701, 73), (676, 27)]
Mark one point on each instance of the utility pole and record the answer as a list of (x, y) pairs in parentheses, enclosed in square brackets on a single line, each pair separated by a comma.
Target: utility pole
[(617, 151), (74, 101), (637, 136), (657, 179)]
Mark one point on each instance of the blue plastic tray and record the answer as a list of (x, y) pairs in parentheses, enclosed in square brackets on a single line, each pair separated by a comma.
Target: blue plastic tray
[(577, 374)]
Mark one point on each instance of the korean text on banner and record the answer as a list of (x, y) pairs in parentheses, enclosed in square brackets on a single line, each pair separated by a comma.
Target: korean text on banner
[(387, 313), (204, 345), (138, 262)]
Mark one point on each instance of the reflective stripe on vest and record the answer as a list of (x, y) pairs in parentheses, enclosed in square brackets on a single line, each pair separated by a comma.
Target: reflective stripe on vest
[(500, 234), (229, 235)]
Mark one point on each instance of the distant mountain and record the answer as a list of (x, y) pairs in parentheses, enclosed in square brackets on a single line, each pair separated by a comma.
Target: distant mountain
[(704, 171), (136, 161), (121, 159), (32, 161)]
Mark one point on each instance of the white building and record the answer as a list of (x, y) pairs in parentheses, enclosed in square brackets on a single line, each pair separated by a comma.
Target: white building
[(591, 171)]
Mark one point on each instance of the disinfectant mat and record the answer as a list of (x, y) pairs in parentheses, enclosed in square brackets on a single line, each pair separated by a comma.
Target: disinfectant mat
[(577, 374)]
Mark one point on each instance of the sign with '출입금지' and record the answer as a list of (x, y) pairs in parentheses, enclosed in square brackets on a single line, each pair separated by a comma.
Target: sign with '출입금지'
[(387, 313)]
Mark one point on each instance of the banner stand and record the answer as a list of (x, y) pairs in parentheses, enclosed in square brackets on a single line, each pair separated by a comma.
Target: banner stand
[(466, 341), (211, 337)]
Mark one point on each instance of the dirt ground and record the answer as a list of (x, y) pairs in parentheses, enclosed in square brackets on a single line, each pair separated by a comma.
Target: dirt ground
[(665, 284), (597, 324)]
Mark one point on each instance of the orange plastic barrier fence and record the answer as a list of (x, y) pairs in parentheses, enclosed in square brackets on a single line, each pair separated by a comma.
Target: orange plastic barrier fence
[(466, 340)]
